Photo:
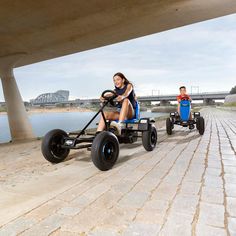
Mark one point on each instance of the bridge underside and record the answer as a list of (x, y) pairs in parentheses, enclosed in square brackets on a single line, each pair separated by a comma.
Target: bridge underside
[(33, 31), (48, 29)]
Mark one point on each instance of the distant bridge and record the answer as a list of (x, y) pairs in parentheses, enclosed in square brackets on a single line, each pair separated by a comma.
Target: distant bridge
[(194, 96), (208, 98)]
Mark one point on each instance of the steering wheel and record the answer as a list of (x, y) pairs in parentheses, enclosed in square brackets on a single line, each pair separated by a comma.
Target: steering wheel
[(109, 98), (185, 99)]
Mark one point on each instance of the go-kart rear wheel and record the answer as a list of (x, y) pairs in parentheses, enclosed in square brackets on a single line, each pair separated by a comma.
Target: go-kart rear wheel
[(149, 138), (105, 150), (169, 126), (51, 146), (201, 125)]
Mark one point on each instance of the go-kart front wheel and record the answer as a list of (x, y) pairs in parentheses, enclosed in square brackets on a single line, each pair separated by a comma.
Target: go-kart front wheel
[(169, 126), (105, 150), (201, 125), (149, 138), (51, 146)]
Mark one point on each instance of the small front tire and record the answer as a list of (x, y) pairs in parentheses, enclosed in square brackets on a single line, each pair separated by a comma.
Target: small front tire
[(201, 125), (169, 126), (149, 138)]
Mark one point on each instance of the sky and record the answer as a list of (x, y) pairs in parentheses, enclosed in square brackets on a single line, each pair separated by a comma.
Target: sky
[(202, 55)]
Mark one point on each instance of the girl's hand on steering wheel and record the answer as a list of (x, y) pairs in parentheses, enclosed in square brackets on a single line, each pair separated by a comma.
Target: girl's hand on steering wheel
[(120, 98), (102, 99)]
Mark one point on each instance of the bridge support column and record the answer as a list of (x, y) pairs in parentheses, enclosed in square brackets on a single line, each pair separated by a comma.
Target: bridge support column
[(208, 101), (19, 124), (164, 103)]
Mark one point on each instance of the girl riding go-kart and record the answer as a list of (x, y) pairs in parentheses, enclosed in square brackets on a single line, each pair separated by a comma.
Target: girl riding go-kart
[(124, 125)]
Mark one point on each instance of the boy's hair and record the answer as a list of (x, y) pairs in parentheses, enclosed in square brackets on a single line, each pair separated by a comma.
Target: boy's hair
[(182, 87)]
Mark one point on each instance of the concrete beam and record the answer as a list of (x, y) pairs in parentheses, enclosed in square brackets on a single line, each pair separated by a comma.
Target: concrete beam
[(49, 29)]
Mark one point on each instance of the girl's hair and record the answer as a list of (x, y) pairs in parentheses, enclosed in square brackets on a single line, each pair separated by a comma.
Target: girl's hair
[(121, 75)]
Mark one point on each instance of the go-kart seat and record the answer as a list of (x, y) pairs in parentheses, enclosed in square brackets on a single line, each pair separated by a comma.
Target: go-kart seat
[(136, 115)]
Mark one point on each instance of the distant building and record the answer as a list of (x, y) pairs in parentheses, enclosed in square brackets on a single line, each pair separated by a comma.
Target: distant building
[(51, 98)]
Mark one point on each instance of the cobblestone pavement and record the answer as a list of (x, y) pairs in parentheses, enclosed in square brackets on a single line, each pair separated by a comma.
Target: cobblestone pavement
[(186, 186)]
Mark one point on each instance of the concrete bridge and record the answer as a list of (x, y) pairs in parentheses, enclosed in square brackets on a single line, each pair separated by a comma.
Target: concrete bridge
[(207, 97)]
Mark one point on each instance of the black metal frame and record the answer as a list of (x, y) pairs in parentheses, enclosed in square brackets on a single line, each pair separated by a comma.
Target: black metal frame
[(177, 120), (142, 126)]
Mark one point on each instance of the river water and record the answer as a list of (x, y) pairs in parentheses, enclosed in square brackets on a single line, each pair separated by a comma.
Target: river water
[(68, 121)]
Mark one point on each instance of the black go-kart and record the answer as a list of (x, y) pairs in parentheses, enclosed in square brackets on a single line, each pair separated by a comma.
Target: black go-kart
[(183, 119), (104, 146)]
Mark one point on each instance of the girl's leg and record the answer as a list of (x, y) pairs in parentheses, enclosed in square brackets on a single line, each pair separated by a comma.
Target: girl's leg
[(108, 116), (127, 111)]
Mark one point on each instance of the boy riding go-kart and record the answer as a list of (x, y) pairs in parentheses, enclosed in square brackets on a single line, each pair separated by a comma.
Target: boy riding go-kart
[(184, 116), (121, 126)]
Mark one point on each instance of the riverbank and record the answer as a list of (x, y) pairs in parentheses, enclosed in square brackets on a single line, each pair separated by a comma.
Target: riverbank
[(37, 110)]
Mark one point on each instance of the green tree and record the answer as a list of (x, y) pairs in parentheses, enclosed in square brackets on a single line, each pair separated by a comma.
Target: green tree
[(233, 90)]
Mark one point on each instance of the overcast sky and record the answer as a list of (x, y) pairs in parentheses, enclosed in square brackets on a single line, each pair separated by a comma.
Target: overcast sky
[(202, 54)]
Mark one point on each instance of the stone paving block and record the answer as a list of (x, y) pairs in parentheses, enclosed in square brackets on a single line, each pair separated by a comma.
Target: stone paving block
[(124, 186), (232, 225), (212, 195), (104, 230), (174, 178), (46, 209), (230, 178), (45, 227), (213, 181), (119, 216), (165, 191), (134, 199), (153, 204), (231, 206), (230, 170), (17, 226), (177, 224), (80, 188), (150, 216), (214, 164), (207, 230), (69, 211), (230, 190), (190, 188), (213, 171), (229, 157), (95, 192), (211, 214), (184, 204), (84, 221), (81, 201), (229, 162), (107, 200), (63, 233), (142, 229)]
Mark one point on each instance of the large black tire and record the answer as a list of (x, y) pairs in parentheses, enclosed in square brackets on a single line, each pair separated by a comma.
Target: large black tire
[(105, 150), (201, 125), (169, 126), (149, 138), (50, 146)]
